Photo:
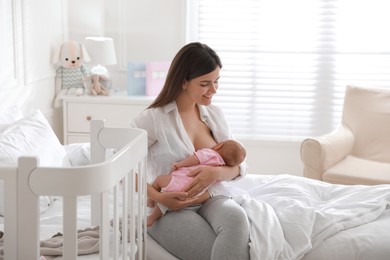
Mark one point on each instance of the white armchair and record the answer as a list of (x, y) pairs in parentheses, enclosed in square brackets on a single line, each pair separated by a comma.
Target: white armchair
[(358, 152)]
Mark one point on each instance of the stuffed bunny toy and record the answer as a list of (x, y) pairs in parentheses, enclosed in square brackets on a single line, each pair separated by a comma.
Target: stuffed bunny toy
[(71, 71), (98, 87)]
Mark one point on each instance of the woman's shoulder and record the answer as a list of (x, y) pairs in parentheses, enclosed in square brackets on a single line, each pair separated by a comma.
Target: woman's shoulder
[(152, 114), (146, 117)]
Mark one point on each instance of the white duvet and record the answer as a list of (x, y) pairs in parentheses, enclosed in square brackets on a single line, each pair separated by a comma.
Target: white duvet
[(290, 215)]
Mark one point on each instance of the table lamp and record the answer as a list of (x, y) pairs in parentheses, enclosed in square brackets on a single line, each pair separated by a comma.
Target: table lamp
[(102, 53)]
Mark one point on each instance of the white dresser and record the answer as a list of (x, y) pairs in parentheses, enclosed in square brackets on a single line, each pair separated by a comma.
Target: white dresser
[(117, 111)]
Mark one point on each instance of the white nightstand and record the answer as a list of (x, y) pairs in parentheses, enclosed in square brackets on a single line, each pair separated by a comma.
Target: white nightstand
[(117, 111)]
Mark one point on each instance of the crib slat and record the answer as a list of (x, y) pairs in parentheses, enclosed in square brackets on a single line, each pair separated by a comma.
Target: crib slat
[(124, 216), (28, 205), (115, 224), (141, 211), (10, 220), (95, 209), (70, 228), (98, 154), (132, 199), (104, 228)]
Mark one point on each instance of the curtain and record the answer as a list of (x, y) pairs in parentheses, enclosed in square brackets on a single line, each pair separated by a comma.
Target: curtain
[(286, 63)]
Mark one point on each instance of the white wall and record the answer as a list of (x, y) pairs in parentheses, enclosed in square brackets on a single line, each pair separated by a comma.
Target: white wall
[(30, 37), (146, 30), (273, 157), (155, 30), (140, 31)]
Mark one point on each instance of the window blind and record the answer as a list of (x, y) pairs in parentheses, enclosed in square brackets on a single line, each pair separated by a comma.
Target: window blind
[(286, 63)]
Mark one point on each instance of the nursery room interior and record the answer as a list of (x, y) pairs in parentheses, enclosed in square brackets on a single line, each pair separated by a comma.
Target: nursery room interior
[(304, 86)]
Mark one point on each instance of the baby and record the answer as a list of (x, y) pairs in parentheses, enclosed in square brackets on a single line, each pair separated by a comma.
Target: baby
[(229, 152)]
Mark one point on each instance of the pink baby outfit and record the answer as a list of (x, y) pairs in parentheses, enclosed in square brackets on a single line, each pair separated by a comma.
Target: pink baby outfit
[(180, 180)]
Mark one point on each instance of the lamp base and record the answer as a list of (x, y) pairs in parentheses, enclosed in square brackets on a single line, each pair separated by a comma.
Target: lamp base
[(103, 75), (99, 70)]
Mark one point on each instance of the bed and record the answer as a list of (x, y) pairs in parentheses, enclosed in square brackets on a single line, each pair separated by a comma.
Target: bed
[(294, 217), (82, 201)]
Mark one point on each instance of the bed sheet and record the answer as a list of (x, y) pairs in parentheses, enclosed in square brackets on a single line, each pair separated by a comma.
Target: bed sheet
[(368, 241), (51, 221)]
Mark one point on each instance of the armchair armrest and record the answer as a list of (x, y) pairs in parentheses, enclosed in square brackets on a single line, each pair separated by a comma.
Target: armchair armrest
[(320, 153)]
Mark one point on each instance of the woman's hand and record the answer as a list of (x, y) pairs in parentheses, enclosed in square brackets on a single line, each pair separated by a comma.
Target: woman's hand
[(204, 177), (176, 200), (172, 200)]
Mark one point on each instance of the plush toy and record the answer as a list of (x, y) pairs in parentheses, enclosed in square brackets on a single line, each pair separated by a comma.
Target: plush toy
[(71, 71), (98, 87)]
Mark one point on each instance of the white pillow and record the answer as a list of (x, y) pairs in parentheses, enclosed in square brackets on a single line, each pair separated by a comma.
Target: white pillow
[(78, 153), (32, 136), (10, 116)]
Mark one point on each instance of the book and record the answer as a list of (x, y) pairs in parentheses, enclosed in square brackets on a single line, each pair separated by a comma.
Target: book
[(156, 73), (136, 79)]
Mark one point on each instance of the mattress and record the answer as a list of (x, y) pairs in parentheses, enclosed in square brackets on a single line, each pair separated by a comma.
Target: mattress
[(370, 241)]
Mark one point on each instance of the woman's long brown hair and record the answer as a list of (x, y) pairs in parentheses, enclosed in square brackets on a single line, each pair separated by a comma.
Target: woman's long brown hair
[(193, 60)]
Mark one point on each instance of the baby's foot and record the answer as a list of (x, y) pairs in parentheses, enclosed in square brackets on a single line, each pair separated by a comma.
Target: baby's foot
[(150, 203), (150, 221)]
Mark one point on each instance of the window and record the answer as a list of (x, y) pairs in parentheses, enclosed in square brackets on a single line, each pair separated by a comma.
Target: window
[(286, 63)]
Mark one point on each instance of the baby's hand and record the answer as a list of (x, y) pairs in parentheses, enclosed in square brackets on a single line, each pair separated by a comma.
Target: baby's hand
[(175, 166)]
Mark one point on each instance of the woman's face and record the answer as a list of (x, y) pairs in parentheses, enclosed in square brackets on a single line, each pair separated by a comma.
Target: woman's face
[(202, 89)]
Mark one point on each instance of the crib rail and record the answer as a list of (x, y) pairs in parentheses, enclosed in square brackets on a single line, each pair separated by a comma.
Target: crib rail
[(122, 176), (8, 176)]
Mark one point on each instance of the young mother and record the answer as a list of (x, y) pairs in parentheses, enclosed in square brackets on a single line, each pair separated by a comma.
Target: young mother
[(180, 121)]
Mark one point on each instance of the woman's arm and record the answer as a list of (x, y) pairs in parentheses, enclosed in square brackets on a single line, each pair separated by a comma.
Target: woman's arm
[(205, 176), (172, 200)]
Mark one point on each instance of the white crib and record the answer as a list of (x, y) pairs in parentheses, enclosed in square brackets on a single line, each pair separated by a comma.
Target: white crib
[(116, 194)]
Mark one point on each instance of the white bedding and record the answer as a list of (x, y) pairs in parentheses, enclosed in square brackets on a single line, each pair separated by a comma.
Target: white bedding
[(298, 218), (291, 215), (365, 242), (51, 221)]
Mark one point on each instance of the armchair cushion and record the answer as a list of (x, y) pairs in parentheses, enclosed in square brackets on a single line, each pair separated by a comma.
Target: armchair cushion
[(354, 170), (366, 111)]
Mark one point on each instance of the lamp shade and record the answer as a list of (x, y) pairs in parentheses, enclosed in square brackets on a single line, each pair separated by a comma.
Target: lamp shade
[(101, 50)]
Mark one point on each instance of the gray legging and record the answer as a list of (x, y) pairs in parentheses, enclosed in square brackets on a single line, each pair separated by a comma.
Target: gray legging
[(218, 229)]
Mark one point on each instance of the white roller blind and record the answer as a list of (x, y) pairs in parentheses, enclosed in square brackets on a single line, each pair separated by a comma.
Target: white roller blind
[(286, 63)]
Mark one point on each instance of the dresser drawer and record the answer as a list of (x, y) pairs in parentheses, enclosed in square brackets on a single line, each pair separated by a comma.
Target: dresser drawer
[(78, 138), (116, 115), (116, 111)]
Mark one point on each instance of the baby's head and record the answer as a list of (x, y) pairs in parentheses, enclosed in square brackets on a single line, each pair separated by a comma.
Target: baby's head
[(232, 152)]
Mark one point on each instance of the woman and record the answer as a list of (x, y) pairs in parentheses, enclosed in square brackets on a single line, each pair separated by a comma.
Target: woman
[(180, 121)]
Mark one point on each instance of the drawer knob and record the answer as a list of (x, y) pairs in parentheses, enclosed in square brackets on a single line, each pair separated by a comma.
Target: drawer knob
[(89, 118)]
